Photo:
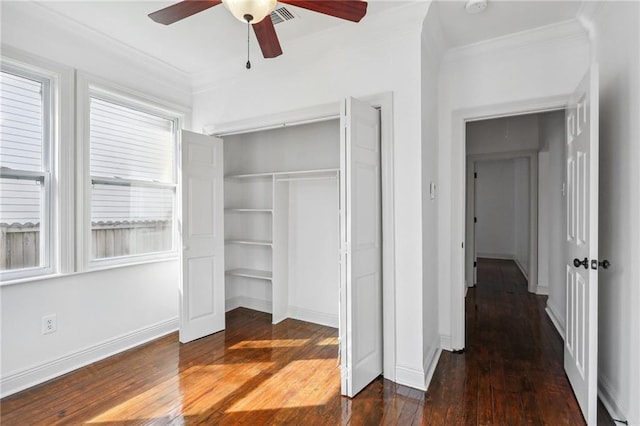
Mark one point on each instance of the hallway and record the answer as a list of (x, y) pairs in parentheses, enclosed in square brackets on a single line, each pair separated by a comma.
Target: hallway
[(511, 371)]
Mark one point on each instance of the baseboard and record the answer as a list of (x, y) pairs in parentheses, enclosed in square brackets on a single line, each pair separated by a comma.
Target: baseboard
[(21, 380), (552, 313), (315, 317), (445, 342), (248, 302), (232, 303), (542, 289), (498, 256), (615, 406), (519, 265), (431, 362), (410, 377)]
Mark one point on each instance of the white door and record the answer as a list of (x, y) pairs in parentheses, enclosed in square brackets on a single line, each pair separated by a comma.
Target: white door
[(581, 247), (202, 288), (361, 260)]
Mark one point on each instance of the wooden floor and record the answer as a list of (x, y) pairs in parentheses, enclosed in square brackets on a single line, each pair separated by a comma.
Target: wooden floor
[(255, 373)]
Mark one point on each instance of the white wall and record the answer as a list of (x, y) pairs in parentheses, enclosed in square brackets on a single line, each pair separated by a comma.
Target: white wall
[(314, 244), (617, 50), (431, 58), (498, 135), (495, 209), (551, 219), (494, 77), (302, 147), (522, 216), (100, 312)]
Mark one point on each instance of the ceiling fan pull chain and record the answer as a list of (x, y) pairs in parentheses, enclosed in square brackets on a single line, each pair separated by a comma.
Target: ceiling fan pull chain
[(247, 17)]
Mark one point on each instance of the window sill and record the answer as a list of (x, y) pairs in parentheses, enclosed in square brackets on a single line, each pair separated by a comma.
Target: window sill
[(94, 268)]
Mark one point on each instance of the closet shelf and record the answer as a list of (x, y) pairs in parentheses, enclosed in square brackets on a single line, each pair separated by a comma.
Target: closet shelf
[(250, 273), (316, 173), (250, 242), (244, 210)]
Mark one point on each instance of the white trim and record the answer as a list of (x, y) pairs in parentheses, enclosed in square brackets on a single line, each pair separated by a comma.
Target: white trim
[(20, 380), (162, 73), (524, 273), (445, 341), (249, 303), (274, 121), (614, 405), (384, 101), (322, 318), (57, 84), (542, 289), (566, 31), (410, 377), (458, 190), (88, 85), (556, 319), (431, 361), (498, 256)]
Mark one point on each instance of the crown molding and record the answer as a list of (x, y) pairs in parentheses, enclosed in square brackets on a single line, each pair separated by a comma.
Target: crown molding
[(156, 69), (570, 31)]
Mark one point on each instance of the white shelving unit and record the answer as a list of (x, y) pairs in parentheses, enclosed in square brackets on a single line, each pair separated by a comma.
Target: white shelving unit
[(257, 227)]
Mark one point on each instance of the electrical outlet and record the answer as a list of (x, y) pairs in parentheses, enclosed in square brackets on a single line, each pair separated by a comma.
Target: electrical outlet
[(49, 324)]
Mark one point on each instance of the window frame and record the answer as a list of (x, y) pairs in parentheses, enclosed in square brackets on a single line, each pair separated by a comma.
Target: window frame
[(91, 87), (49, 253)]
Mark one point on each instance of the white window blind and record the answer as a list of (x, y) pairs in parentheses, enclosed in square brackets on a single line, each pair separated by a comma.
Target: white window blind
[(21, 124), (130, 144), (133, 180), (24, 172)]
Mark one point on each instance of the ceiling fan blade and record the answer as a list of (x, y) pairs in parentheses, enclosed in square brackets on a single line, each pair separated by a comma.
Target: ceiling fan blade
[(181, 10), (351, 10), (267, 38)]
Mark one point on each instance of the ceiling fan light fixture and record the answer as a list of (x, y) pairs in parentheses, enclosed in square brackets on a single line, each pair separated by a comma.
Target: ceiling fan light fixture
[(256, 9)]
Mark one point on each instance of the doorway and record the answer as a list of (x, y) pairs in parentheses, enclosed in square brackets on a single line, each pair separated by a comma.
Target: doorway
[(384, 168)]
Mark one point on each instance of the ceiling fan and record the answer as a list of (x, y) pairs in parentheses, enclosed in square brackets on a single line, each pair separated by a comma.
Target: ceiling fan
[(256, 13)]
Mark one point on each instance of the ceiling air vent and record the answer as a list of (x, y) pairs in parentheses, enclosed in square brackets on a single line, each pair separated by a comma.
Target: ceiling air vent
[(281, 14)]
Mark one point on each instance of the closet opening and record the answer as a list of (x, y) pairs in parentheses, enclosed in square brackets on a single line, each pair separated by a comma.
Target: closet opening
[(301, 237), (282, 227)]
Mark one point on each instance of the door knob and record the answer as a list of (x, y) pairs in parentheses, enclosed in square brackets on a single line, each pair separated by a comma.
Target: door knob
[(604, 264), (584, 262)]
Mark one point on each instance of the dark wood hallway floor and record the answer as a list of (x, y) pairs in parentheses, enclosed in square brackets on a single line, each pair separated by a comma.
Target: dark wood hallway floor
[(255, 373)]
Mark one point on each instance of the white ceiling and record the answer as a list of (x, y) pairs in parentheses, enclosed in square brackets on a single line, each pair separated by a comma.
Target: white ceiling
[(500, 18), (197, 43)]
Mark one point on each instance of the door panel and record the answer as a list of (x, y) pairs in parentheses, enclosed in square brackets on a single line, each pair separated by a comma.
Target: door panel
[(581, 346), (361, 258), (202, 288)]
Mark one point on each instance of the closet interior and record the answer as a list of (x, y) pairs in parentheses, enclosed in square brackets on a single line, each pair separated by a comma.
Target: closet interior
[(282, 236)]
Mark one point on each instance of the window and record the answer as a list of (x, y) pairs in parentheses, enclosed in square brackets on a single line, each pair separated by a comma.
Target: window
[(133, 184), (25, 174)]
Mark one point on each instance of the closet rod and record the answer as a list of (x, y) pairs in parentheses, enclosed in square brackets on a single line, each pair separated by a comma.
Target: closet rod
[(305, 178)]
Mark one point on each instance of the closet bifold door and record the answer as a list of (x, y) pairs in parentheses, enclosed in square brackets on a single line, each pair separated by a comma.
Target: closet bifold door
[(280, 282)]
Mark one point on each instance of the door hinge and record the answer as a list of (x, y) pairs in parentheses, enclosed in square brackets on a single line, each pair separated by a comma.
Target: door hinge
[(475, 220), (475, 264), (475, 175)]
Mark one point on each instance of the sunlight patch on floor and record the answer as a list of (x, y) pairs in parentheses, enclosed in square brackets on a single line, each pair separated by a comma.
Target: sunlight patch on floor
[(275, 343), (193, 391), (328, 341), (300, 383)]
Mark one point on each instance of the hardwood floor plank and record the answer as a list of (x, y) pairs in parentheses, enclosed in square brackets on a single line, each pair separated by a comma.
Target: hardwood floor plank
[(256, 373)]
